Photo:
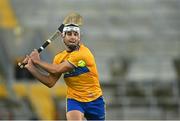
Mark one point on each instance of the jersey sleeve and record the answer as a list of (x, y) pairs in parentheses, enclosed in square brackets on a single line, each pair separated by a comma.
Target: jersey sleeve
[(55, 60), (58, 58)]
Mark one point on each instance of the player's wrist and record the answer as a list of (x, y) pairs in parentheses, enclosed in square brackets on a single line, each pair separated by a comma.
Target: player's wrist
[(36, 62)]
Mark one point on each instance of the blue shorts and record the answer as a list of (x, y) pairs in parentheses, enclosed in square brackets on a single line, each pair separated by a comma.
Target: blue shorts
[(94, 110)]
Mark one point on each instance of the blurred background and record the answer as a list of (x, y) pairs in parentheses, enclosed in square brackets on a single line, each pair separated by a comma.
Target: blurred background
[(136, 44)]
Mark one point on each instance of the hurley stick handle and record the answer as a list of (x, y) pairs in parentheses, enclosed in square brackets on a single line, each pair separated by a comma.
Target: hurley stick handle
[(45, 44)]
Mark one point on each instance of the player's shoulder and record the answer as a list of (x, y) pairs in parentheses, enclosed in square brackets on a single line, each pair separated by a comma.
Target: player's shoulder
[(84, 52), (60, 53), (84, 49)]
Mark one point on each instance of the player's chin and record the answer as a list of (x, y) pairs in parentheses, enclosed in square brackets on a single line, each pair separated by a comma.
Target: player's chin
[(73, 47)]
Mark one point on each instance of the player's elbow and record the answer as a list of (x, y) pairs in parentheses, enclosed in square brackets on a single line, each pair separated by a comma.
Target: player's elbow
[(52, 80), (50, 85)]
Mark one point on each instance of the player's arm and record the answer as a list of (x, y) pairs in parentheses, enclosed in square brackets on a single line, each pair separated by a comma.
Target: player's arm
[(55, 69), (48, 80)]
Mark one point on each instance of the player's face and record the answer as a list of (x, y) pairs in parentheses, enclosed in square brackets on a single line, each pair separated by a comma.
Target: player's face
[(72, 40)]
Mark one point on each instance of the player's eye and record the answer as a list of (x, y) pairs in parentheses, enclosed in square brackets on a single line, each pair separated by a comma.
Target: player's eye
[(76, 34), (69, 33)]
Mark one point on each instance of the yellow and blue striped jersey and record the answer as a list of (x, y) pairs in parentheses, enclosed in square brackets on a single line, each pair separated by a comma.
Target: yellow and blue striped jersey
[(82, 82)]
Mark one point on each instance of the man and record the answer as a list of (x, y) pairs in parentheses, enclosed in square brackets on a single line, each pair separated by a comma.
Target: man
[(77, 64)]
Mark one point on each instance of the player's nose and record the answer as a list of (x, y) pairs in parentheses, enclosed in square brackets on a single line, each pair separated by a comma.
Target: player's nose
[(73, 38)]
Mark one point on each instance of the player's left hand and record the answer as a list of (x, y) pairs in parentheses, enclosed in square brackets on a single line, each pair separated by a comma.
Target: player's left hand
[(35, 56), (29, 64)]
